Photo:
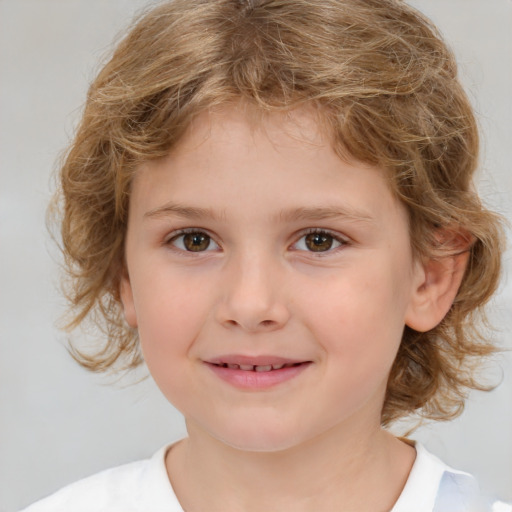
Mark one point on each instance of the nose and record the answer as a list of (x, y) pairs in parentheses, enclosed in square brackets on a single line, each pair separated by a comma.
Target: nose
[(252, 295)]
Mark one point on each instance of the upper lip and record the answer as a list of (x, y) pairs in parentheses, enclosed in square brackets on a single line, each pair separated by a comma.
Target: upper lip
[(263, 360)]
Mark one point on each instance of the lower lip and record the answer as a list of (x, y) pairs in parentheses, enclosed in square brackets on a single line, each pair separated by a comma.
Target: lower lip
[(252, 380)]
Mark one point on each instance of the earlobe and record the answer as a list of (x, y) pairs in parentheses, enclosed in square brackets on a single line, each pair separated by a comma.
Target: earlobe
[(437, 283), (126, 295)]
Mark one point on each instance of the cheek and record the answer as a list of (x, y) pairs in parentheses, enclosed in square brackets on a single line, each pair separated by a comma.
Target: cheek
[(170, 321), (171, 311), (358, 316)]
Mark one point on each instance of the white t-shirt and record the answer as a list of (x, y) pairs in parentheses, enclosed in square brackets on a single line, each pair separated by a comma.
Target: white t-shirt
[(144, 486)]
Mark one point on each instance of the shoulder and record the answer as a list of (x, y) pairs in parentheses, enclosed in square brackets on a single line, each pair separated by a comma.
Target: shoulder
[(134, 487), (107, 490), (433, 486)]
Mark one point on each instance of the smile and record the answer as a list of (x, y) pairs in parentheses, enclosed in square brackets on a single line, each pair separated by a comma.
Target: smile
[(256, 373), (257, 368)]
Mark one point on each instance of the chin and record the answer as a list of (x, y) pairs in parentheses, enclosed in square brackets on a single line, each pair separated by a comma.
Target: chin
[(267, 438)]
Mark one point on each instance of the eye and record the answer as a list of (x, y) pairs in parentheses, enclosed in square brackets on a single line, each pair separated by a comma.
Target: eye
[(318, 241), (193, 241)]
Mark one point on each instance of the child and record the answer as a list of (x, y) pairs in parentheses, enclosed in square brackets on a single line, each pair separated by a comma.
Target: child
[(270, 202)]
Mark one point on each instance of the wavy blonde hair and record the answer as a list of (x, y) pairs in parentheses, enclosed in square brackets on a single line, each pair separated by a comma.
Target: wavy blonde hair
[(386, 85)]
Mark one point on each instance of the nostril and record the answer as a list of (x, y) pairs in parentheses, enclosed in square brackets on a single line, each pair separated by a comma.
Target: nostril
[(263, 323)]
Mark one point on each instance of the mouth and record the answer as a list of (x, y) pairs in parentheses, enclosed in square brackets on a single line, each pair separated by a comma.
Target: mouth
[(259, 367), (256, 373)]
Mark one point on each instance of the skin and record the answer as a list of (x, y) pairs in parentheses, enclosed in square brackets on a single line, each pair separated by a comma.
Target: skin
[(253, 190)]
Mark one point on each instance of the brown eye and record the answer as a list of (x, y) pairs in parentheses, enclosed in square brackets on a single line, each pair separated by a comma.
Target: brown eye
[(319, 242), (194, 241)]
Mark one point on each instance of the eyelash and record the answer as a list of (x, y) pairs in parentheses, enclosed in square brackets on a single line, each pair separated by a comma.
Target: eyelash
[(336, 238), (188, 231)]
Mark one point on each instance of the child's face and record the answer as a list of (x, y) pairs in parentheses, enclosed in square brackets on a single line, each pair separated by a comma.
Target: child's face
[(289, 256)]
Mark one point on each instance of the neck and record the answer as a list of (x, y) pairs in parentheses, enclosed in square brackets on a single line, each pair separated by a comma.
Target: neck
[(334, 471)]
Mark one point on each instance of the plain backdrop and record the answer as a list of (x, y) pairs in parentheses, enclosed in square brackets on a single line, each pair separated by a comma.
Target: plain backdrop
[(57, 422)]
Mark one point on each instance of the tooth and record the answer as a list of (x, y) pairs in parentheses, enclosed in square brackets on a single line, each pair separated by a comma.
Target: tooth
[(265, 368), (277, 366), (233, 366), (246, 367)]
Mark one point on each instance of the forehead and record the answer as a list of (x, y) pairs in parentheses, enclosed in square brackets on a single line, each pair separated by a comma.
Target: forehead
[(240, 159), (300, 130), (242, 124)]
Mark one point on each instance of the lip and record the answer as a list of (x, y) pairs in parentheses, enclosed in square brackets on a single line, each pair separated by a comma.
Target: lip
[(252, 379), (261, 360)]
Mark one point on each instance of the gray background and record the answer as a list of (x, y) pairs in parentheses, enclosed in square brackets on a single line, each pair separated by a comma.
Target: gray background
[(59, 423)]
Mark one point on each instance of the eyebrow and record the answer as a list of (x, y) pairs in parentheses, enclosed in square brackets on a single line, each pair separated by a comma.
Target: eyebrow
[(294, 214), (187, 212), (325, 213)]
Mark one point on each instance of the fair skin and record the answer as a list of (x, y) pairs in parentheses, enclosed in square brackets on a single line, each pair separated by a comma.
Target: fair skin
[(290, 256)]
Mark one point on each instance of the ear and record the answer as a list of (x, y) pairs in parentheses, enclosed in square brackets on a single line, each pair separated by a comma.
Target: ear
[(437, 282), (126, 295)]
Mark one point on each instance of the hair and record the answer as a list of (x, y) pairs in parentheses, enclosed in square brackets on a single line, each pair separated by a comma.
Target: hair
[(385, 83)]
